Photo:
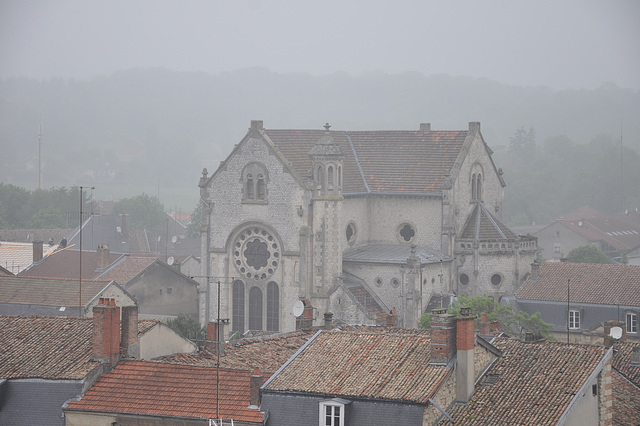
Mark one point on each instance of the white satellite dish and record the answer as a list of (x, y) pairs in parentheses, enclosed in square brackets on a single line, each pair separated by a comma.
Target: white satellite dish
[(174, 239), (170, 260), (616, 332), (298, 308)]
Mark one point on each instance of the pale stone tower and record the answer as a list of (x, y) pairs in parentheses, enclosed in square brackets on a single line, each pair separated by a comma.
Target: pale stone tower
[(326, 201)]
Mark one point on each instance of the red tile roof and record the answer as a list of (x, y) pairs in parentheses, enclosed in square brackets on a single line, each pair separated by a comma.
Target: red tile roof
[(590, 283), (45, 348), (267, 353), (171, 390), (535, 383), (127, 268), (622, 361), (391, 366), (392, 161), (66, 264), (626, 400), (48, 291)]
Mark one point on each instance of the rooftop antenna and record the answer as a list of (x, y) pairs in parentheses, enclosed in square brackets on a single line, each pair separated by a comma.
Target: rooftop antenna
[(40, 157)]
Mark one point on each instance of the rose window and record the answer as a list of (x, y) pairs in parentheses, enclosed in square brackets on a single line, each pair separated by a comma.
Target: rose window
[(256, 253)]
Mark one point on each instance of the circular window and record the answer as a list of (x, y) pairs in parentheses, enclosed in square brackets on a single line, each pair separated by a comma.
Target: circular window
[(378, 282), (464, 279), (256, 254), (395, 282), (496, 279), (406, 232), (351, 233)]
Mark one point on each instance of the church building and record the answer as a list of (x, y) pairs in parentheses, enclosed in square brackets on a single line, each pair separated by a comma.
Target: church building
[(363, 227)]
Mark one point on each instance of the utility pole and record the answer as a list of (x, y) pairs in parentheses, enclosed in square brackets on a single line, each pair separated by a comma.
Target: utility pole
[(40, 158)]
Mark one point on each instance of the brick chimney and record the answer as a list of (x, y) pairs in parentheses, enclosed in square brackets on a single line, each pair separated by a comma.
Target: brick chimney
[(305, 321), (465, 343), (103, 256), (256, 382), (443, 336), (535, 271), (215, 335), (129, 344), (38, 253), (106, 331), (634, 358), (483, 327), (494, 327)]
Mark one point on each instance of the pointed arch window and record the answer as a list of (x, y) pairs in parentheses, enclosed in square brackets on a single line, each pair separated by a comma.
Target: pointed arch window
[(479, 187), (238, 307), (330, 177), (473, 187), (273, 307), (255, 309), (254, 180)]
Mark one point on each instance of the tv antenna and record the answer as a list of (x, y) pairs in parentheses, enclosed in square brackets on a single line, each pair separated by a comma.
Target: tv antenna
[(40, 157)]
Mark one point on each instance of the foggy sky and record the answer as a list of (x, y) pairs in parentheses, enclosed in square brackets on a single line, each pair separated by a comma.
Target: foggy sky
[(560, 44)]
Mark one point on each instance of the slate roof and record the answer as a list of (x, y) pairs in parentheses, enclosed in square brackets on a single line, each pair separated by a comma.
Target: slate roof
[(45, 348), (171, 390), (66, 264), (388, 366), (535, 383), (604, 284), (112, 230), (483, 226), (383, 161), (391, 253), (16, 257), (267, 353), (48, 291)]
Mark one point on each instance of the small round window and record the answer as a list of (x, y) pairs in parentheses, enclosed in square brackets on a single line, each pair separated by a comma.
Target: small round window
[(378, 282), (496, 279), (395, 282), (406, 232), (464, 279)]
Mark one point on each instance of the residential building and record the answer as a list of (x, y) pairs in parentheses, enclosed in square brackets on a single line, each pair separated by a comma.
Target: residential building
[(580, 298), (15, 257), (626, 383), (356, 223)]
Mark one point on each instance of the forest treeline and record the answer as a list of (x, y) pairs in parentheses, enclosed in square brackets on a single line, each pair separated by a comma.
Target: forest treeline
[(154, 128)]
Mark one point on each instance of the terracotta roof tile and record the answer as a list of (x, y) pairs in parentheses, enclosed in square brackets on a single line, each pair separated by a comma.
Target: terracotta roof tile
[(590, 283), (66, 264), (535, 384), (622, 361), (626, 400), (171, 390), (391, 366), (47, 291), (422, 158), (127, 268)]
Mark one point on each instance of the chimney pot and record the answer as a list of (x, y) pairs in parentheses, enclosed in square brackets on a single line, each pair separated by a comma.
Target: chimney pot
[(465, 344), (103, 256), (443, 336), (38, 252), (535, 270), (328, 320), (256, 382)]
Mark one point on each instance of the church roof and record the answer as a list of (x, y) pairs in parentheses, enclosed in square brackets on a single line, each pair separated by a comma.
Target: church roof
[(380, 161), (483, 226), (391, 253)]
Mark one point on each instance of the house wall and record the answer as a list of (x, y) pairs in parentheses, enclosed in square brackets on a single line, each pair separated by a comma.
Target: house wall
[(162, 340), (304, 410), (79, 418), (161, 290), (36, 401), (111, 292), (445, 397), (566, 238), (587, 407)]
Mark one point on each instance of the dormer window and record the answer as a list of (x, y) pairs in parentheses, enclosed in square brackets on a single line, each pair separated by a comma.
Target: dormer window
[(332, 412), (254, 180)]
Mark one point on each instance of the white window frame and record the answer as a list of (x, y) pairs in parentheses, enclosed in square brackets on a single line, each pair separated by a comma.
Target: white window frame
[(333, 404), (574, 319), (631, 322)]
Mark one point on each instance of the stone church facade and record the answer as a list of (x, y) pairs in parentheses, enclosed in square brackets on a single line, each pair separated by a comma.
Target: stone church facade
[(370, 226)]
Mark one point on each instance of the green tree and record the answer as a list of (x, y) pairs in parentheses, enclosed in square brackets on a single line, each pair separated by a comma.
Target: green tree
[(512, 322), (587, 254), (193, 229), (188, 327), (523, 142), (144, 212)]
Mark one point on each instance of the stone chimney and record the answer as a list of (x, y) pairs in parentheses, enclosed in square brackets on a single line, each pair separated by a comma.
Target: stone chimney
[(425, 127), (443, 336), (474, 127), (392, 318), (103, 256), (256, 124), (608, 325), (215, 335), (256, 381), (106, 331), (328, 321), (483, 327), (38, 253), (535, 271), (465, 343), (129, 343)]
